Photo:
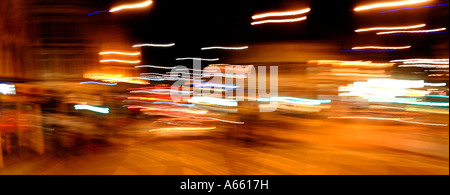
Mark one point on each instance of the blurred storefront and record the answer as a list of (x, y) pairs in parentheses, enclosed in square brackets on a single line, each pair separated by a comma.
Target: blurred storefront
[(20, 125)]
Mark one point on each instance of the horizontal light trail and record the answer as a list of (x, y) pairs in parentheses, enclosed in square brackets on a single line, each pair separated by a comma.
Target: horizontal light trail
[(213, 101), (412, 31), (225, 48), (293, 100), (216, 85), (417, 103), (98, 83), (92, 108), (390, 119), (121, 53), (131, 6), (201, 59), (183, 129), (121, 61), (370, 50), (423, 66), (277, 14), (381, 48), (152, 66), (390, 4), (155, 45), (390, 28), (415, 8), (280, 21)]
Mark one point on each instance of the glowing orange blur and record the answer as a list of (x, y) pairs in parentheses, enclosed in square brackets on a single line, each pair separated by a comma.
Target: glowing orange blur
[(182, 129), (150, 99), (350, 63)]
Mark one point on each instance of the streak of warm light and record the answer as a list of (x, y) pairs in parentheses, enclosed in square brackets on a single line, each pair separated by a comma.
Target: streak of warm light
[(149, 99), (155, 45), (390, 28), (438, 5), (379, 47), (287, 13), (412, 31), (131, 6), (225, 48), (390, 4), (121, 61), (350, 63), (280, 21), (213, 101), (113, 78), (121, 53), (153, 66), (406, 120), (423, 66), (98, 83), (201, 59), (183, 129)]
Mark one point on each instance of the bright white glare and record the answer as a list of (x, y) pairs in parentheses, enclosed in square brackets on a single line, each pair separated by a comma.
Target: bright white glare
[(7, 89), (131, 6)]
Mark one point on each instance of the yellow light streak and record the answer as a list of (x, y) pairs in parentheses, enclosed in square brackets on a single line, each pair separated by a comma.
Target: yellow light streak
[(390, 4), (110, 78)]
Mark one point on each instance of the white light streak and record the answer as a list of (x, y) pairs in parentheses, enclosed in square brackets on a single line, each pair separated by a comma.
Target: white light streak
[(276, 14), (225, 48), (390, 28), (379, 47), (155, 45), (280, 21), (120, 53), (412, 31), (201, 59)]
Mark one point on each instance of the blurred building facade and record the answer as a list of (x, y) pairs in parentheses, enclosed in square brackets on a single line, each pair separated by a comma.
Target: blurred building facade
[(53, 40)]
